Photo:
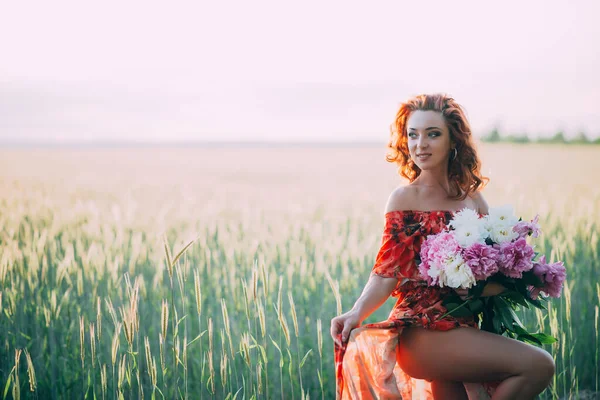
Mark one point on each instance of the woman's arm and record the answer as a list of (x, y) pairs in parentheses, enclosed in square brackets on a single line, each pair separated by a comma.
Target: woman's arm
[(376, 292), (378, 288)]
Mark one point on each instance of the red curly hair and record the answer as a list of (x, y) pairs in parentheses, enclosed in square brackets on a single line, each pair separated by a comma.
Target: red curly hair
[(464, 170)]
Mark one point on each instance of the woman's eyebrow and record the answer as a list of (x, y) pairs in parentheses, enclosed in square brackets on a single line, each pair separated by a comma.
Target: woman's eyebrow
[(431, 127)]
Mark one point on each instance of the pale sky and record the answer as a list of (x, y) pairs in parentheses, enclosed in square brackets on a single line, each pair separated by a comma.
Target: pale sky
[(291, 71)]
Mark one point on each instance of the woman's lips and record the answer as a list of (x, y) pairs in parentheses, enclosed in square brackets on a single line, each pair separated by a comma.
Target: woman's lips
[(423, 156)]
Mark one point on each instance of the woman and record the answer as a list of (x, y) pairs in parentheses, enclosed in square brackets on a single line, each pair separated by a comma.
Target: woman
[(418, 353)]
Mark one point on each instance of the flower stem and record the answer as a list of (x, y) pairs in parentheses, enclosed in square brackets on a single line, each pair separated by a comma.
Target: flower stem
[(468, 299)]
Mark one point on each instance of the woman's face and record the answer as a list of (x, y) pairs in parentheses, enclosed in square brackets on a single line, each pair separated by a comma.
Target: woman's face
[(428, 139)]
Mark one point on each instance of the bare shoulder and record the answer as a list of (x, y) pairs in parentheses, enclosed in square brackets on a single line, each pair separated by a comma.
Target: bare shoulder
[(402, 198), (482, 205)]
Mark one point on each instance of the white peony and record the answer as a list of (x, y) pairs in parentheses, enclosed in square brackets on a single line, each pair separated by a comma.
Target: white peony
[(465, 217), (437, 274), (502, 216), (487, 224), (503, 233), (457, 273), (470, 234)]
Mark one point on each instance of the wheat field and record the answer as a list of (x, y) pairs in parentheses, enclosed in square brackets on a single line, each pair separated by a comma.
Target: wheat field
[(214, 272)]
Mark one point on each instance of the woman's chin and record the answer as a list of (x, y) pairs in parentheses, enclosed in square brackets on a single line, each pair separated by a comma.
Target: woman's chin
[(427, 166)]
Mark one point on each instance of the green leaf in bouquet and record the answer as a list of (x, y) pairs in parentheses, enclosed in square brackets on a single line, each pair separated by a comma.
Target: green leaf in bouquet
[(515, 297), (527, 338), (458, 309), (490, 320), (536, 303), (508, 303), (497, 325), (543, 338), (521, 287), (489, 241), (451, 299), (500, 303), (520, 330), (461, 312), (515, 318), (504, 312), (451, 306), (506, 321), (476, 306), (505, 317), (538, 339), (487, 317)]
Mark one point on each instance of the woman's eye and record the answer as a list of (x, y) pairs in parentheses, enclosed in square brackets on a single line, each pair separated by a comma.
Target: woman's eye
[(431, 134)]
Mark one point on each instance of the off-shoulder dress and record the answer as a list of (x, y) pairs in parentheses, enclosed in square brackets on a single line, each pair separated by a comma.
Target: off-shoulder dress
[(366, 365)]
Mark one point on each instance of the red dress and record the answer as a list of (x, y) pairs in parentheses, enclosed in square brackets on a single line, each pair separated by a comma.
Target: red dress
[(366, 365)]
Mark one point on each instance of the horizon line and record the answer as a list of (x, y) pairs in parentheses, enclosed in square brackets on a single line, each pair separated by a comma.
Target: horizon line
[(115, 144), (182, 143)]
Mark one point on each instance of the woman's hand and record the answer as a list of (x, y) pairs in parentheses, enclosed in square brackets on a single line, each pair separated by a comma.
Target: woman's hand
[(344, 324), (492, 289), (376, 292)]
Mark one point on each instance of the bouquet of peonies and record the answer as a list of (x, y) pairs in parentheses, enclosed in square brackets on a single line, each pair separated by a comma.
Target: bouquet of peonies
[(476, 250)]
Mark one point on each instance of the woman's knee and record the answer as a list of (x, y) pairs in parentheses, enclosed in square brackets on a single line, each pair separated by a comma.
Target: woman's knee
[(545, 367), (541, 369)]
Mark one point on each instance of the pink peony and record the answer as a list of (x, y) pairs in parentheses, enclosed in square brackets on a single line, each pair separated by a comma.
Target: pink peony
[(425, 259), (525, 228), (515, 258), (443, 244), (552, 276), (482, 260), (433, 250)]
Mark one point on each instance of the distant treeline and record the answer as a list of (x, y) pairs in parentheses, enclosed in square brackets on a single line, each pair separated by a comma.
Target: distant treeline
[(495, 137)]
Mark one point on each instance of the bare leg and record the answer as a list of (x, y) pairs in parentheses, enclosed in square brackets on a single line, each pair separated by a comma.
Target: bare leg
[(448, 390), (471, 355)]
